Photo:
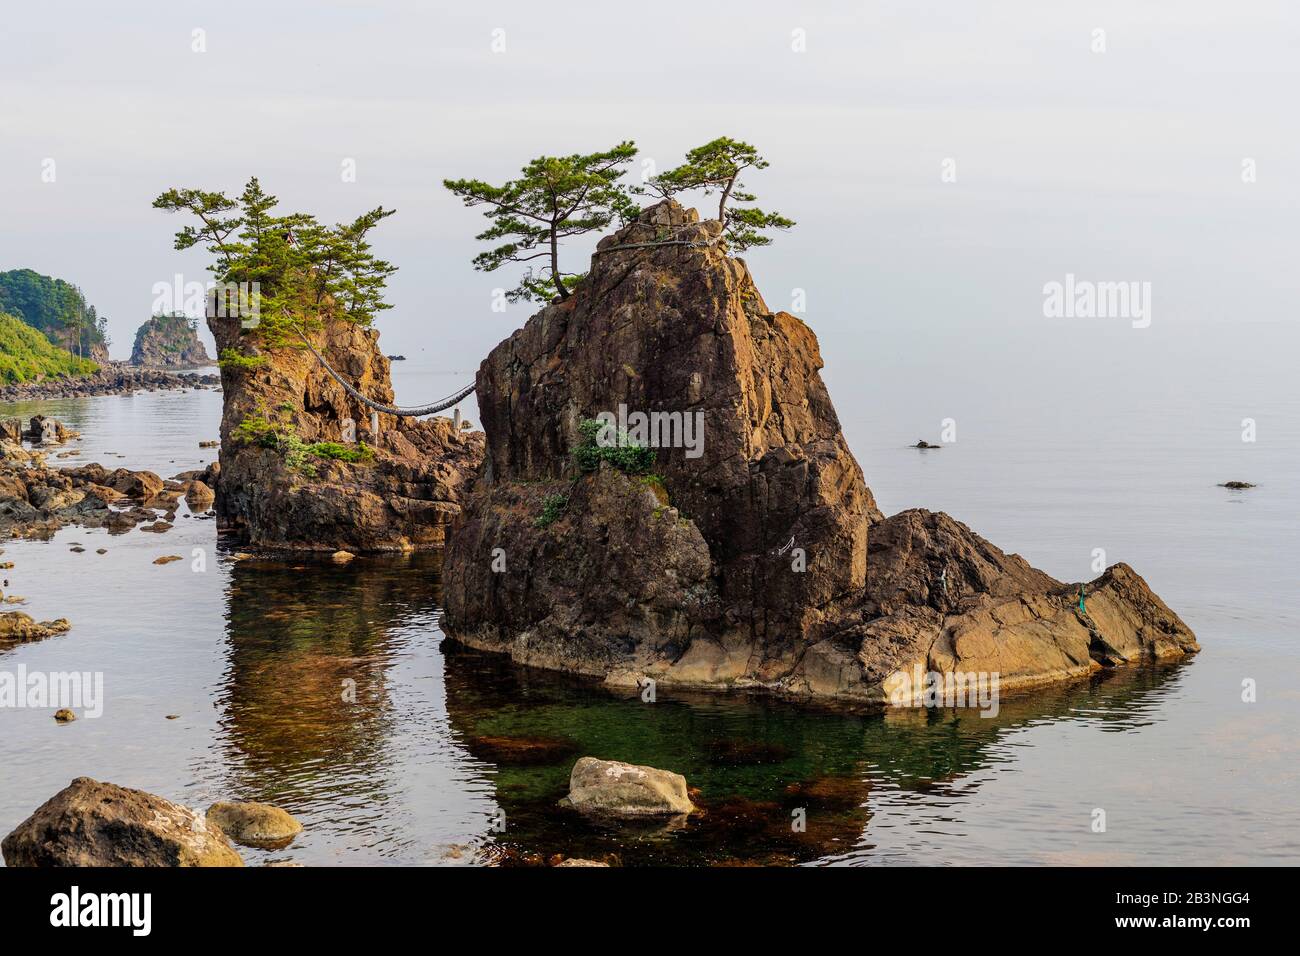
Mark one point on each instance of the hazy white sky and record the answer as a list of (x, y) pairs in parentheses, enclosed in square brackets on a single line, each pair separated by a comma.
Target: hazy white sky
[(1116, 165)]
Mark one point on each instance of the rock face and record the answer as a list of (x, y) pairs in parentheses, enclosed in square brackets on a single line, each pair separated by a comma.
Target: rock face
[(169, 341), (89, 823), (745, 561), (612, 788), (279, 494)]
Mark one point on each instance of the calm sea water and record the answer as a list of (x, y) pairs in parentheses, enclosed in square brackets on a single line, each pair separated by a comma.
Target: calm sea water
[(1072, 452)]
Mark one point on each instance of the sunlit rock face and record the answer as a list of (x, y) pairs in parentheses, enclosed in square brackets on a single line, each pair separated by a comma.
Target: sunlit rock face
[(401, 497), (744, 561)]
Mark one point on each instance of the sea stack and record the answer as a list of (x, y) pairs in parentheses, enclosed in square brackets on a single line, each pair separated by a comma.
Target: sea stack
[(737, 555), (302, 466)]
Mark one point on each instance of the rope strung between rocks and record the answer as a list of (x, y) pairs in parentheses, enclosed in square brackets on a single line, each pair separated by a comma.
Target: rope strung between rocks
[(438, 406), (456, 397), (692, 243)]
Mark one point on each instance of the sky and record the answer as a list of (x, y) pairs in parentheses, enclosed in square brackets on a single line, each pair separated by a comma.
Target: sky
[(944, 161)]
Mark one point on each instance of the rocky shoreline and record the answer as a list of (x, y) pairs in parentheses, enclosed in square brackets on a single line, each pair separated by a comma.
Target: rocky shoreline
[(113, 379)]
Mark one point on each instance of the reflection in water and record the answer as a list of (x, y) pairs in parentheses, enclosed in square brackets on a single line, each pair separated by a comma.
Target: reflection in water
[(778, 783)]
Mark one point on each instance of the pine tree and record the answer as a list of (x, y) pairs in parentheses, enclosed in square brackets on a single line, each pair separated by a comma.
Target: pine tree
[(716, 167), (556, 197)]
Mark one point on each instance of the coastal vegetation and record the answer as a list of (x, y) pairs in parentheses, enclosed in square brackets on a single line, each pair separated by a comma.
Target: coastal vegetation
[(560, 197), (55, 307), (26, 355), (278, 434), (295, 266)]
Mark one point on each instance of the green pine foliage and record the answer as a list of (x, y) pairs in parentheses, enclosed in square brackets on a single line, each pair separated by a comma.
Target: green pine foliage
[(555, 198), (716, 167), (303, 269)]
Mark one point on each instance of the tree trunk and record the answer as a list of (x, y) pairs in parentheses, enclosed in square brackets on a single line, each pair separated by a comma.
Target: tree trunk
[(555, 266), (722, 203)]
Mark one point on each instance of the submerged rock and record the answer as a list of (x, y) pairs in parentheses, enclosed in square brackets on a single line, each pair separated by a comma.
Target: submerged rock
[(254, 824), (1236, 484), (522, 751), (89, 823), (399, 493), (744, 561), (613, 788)]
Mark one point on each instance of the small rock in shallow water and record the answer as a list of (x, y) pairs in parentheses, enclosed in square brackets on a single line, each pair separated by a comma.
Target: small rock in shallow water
[(254, 824), (17, 626), (89, 823), (167, 559), (613, 788), (576, 861), (1236, 484), (342, 557), (64, 716)]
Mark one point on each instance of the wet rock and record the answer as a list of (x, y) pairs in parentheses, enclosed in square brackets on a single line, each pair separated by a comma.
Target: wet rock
[(64, 716), (613, 788), (925, 444), (577, 861), (198, 496), (90, 823), (342, 557), (17, 626), (167, 559), (1236, 484), (254, 824)]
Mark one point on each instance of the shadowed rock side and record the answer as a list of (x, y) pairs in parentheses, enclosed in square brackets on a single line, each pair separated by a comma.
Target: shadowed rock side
[(400, 498), (699, 586)]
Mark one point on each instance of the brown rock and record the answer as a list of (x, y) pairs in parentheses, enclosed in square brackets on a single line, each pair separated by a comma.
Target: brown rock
[(89, 823), (401, 499), (17, 626), (613, 788), (254, 824), (748, 563)]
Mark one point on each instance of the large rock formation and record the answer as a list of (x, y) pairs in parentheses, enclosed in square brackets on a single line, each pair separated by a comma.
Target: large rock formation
[(169, 341), (295, 474), (744, 561)]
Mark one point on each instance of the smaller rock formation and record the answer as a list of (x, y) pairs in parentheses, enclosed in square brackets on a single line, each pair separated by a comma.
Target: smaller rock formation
[(169, 341), (254, 824), (290, 475), (17, 626), (922, 443), (1236, 484), (89, 823), (613, 788)]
